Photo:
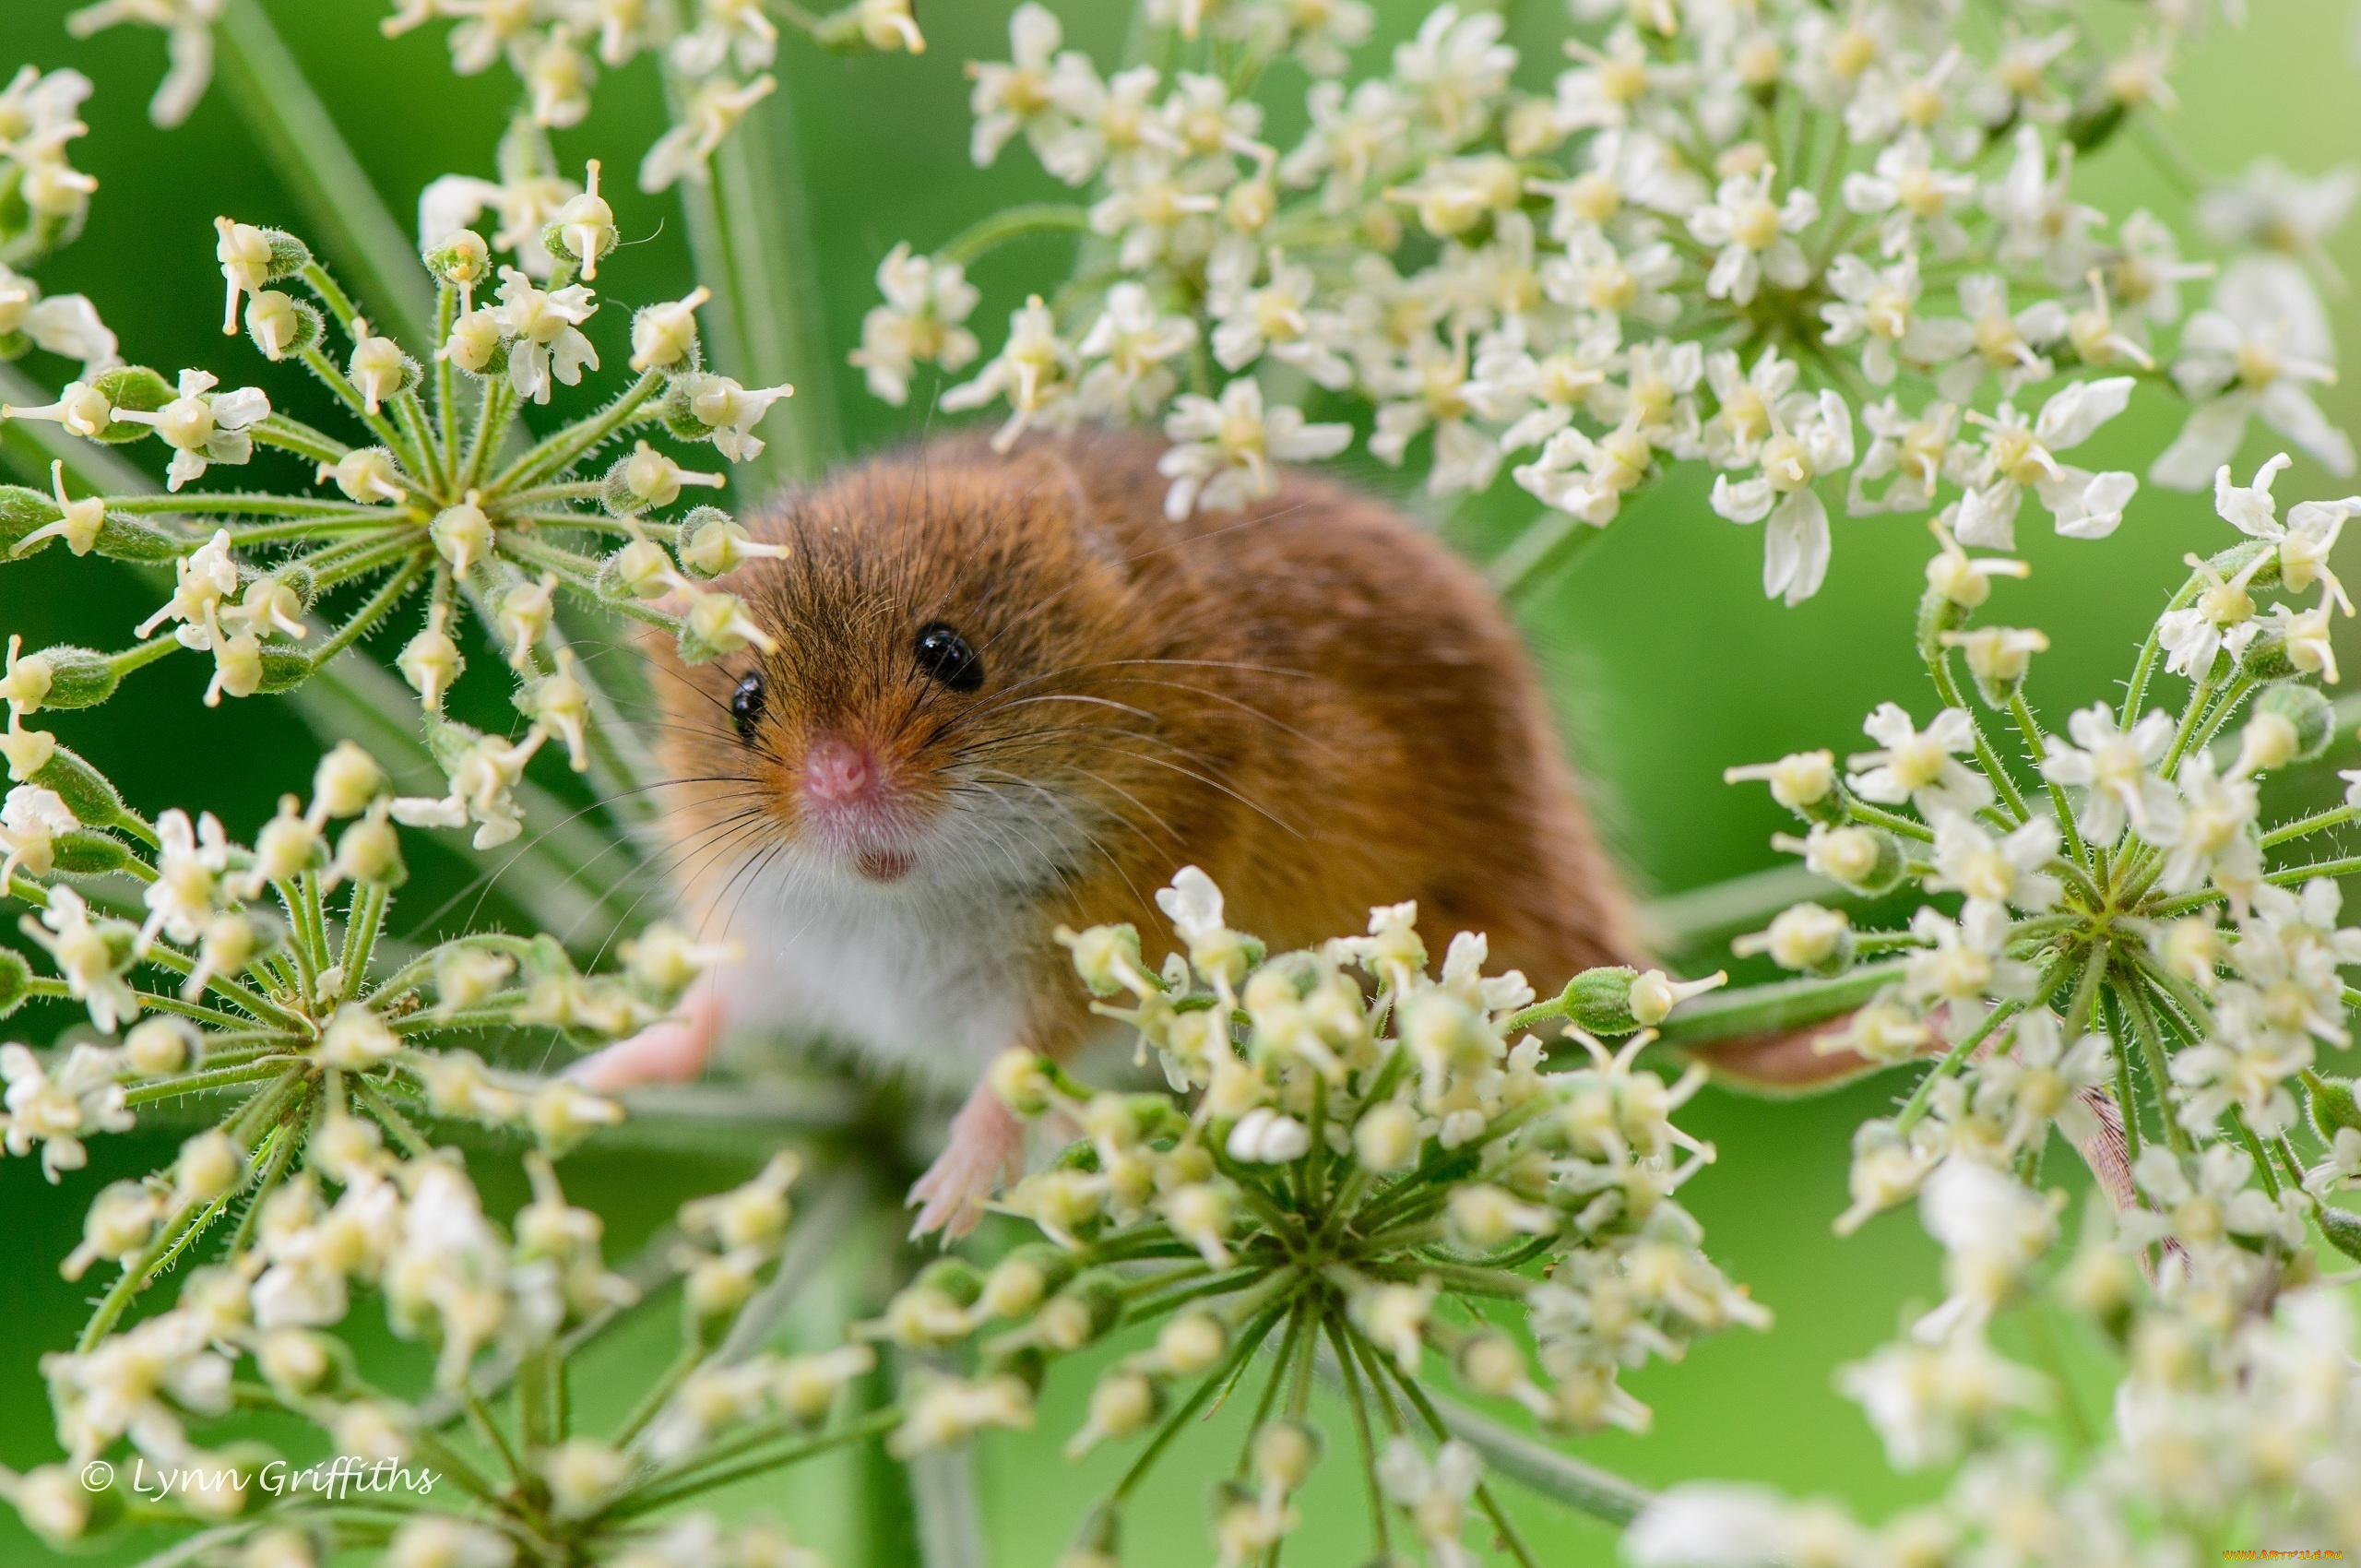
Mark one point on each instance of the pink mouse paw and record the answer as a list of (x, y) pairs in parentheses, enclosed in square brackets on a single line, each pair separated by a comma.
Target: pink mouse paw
[(673, 1051), (986, 1150)]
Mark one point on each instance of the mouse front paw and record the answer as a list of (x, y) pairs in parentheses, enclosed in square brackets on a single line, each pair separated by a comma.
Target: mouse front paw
[(986, 1151), (673, 1051)]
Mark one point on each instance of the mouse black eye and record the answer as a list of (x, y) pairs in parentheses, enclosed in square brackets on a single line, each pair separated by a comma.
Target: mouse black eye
[(945, 655), (746, 706)]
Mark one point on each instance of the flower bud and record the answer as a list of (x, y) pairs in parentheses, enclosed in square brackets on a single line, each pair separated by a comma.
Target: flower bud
[(294, 1360), (1264, 1136), (1080, 1313), (430, 660), (475, 345), (356, 1040), (664, 336), (366, 474), (584, 228), (1866, 861), (640, 570), (1385, 1139), (160, 1045), (1284, 1453), (1804, 782), (1203, 1214), (282, 325), (1104, 956), (59, 676), (347, 780), (209, 1165), (462, 535), (463, 261), (1018, 1078), (1997, 657), (719, 543), (2298, 723), (369, 851), (1192, 1343), (583, 1473), (1492, 1364), (126, 389), (1598, 1001), (2330, 1104), (378, 369), (1019, 1282), (1121, 1404), (1806, 937)]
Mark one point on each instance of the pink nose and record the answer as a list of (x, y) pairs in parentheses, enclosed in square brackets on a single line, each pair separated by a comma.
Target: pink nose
[(837, 773)]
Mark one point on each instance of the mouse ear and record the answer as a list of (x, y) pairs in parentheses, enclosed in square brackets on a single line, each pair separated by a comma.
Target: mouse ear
[(1056, 471)]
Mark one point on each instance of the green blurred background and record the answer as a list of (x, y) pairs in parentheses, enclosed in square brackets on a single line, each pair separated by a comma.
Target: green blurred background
[(1667, 662)]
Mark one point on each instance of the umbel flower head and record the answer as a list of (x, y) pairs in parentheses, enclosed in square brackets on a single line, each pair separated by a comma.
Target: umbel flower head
[(1719, 235), (423, 507), (2136, 964), (1360, 1163)]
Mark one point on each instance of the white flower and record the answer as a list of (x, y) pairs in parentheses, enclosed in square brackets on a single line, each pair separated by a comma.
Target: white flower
[(1278, 319), (686, 152), (202, 426), (2222, 619), (188, 29), (1917, 452), (91, 958), (546, 344), (1964, 963), (1435, 1495), (2304, 540), (2249, 353), (2017, 455), (1587, 479), (2272, 208), (1454, 67), (66, 325), (1126, 348), (1920, 765), (1879, 310), (30, 820), (1910, 195), (1752, 234), (482, 782), (1017, 95), (1034, 371), (2113, 765), (926, 301), (732, 411), (1223, 451), (2043, 224), (57, 1109), (1709, 1525), (2009, 344), (1809, 437), (2201, 1213), (2212, 833), (1929, 1403), (183, 899), (2003, 871), (728, 31), (1993, 1228)]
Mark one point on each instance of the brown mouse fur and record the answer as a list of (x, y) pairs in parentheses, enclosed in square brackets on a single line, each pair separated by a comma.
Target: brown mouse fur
[(1315, 702)]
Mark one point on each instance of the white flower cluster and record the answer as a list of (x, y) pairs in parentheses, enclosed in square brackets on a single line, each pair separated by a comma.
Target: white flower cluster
[(1353, 1150), (717, 56), (48, 199), (188, 26), (1808, 249), (2087, 980), (2239, 1409)]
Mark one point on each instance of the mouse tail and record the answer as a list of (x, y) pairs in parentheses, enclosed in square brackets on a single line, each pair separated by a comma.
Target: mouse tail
[(1784, 1064)]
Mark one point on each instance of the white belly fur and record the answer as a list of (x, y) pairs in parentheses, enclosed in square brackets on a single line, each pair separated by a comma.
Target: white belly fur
[(912, 974)]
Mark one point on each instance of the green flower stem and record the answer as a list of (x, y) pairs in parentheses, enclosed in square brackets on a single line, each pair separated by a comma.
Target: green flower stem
[(2031, 731), (362, 564), (1781, 1004), (988, 234), (689, 1357), (2223, 707), (2151, 1036), (2199, 696), (1553, 542), (1563, 1479), (498, 1012), (488, 1432), (556, 454), (299, 140), (446, 384), (497, 407), (409, 412), (295, 436), (1380, 1536), (223, 986), (2254, 1148), (392, 591), (1892, 822), (390, 1117), (876, 1424), (2294, 875), (2086, 991), (365, 916), (360, 520), (1956, 1058), (258, 504), (140, 656), (211, 1078), (570, 490), (2125, 1101), (2336, 816), (1940, 669)]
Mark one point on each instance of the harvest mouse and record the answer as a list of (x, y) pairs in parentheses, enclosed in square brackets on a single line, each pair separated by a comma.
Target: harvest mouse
[(1010, 694)]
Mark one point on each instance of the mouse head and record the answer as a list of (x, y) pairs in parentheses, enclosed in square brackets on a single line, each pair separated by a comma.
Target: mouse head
[(935, 709)]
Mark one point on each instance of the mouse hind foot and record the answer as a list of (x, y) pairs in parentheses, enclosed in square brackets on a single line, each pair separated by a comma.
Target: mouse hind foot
[(986, 1152)]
